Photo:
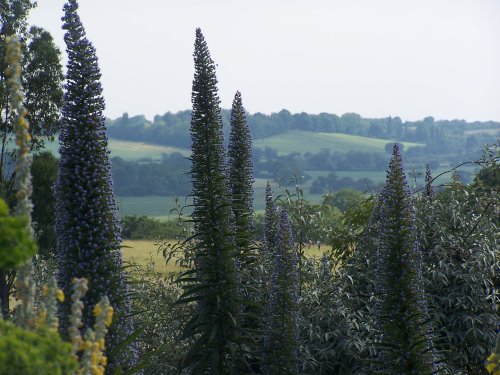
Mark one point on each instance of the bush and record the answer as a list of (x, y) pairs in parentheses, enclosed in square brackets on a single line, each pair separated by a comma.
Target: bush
[(38, 353)]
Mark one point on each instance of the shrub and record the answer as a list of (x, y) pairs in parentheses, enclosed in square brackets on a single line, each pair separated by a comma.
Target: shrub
[(40, 352)]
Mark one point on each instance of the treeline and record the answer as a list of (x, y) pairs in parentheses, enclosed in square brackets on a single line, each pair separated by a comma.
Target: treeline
[(443, 135), (170, 176), (167, 177)]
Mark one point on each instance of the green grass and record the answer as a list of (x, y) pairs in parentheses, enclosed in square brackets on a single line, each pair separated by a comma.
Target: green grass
[(151, 205), (129, 150), (314, 142)]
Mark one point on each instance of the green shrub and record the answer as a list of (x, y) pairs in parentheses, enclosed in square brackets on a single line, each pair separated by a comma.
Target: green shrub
[(27, 352), (16, 246)]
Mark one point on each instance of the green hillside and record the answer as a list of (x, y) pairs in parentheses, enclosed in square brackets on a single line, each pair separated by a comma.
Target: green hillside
[(314, 142), (130, 150)]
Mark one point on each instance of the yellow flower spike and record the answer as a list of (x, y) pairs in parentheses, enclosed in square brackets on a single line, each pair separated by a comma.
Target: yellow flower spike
[(109, 316), (45, 290), (60, 295), (104, 360), (102, 344), (97, 310), (40, 319)]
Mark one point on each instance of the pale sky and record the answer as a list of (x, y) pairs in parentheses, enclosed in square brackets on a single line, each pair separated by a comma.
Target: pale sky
[(407, 58)]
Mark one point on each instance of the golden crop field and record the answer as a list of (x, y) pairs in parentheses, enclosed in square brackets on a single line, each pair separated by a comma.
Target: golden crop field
[(143, 252)]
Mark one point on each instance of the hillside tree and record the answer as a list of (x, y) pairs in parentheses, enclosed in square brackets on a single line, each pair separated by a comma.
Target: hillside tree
[(42, 90)]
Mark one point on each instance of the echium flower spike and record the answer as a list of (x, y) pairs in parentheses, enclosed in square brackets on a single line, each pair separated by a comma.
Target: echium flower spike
[(241, 176), (281, 341), (215, 287), (80, 288), (87, 227), (24, 284), (270, 220), (429, 189), (402, 311), (21, 127), (47, 314)]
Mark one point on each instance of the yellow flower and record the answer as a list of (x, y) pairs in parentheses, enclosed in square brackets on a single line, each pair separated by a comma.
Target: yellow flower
[(60, 295), (101, 343), (45, 290), (40, 319), (97, 310), (109, 316), (104, 360)]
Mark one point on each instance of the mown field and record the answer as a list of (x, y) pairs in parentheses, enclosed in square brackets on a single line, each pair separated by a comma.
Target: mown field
[(314, 142)]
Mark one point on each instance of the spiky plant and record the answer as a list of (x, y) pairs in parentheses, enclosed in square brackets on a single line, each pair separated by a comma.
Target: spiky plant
[(402, 311), (87, 228), (281, 341), (270, 220), (213, 282), (240, 173)]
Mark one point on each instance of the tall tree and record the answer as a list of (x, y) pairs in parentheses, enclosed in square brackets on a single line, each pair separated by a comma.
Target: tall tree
[(402, 310), (87, 230), (213, 282), (44, 172), (281, 341), (42, 88)]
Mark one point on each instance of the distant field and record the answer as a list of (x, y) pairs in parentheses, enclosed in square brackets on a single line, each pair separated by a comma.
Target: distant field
[(296, 141), (131, 150), (483, 131), (144, 252), (314, 142), (160, 206), (151, 205)]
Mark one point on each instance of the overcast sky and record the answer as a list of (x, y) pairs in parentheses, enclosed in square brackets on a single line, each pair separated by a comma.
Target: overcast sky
[(407, 58)]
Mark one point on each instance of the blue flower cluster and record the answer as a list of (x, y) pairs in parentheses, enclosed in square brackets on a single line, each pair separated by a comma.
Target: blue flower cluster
[(281, 334)]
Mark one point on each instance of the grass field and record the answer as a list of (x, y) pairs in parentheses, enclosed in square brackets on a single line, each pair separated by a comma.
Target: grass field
[(145, 252), (314, 142), (131, 150)]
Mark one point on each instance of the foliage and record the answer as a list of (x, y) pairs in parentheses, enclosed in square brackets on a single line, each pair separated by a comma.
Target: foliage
[(41, 80), (88, 233), (147, 228), (161, 320), (44, 173), (16, 245), (41, 352), (213, 283), (459, 238)]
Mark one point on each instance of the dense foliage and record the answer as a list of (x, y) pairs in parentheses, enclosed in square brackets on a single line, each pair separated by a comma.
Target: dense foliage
[(34, 353)]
